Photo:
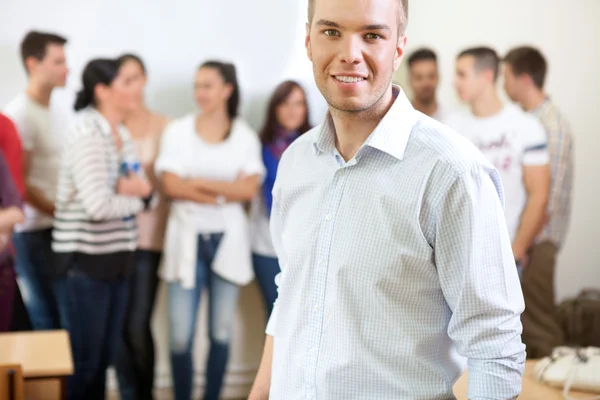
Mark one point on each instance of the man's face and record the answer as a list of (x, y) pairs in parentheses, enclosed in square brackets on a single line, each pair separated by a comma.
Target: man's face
[(512, 84), (424, 80), (52, 70), (355, 49), (468, 82)]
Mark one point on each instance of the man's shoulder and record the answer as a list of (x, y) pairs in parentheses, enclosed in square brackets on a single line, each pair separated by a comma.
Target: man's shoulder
[(445, 145)]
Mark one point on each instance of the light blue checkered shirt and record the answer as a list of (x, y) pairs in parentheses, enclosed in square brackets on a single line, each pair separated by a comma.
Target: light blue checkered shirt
[(394, 265)]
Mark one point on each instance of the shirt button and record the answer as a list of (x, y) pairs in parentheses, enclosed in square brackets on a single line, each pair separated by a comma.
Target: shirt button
[(329, 217), (321, 264), (316, 307), (311, 395)]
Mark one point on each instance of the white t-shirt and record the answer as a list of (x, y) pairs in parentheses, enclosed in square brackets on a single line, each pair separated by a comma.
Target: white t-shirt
[(184, 153), (42, 131), (510, 140)]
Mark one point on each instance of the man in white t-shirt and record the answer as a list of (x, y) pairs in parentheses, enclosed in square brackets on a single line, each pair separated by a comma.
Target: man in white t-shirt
[(41, 129), (424, 80), (514, 141)]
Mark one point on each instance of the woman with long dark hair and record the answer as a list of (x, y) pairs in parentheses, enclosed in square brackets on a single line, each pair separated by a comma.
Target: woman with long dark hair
[(135, 369), (100, 190), (210, 165), (287, 119)]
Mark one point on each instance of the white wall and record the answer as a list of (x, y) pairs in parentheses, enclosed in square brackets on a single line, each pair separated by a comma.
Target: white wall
[(265, 39)]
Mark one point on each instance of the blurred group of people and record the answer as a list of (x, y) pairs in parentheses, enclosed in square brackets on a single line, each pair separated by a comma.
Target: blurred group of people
[(123, 196), (531, 145)]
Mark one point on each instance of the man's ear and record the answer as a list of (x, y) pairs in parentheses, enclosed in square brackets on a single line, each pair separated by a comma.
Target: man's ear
[(399, 55), (307, 42)]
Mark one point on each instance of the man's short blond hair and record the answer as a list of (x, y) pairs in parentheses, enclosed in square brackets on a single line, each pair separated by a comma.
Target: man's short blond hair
[(402, 14)]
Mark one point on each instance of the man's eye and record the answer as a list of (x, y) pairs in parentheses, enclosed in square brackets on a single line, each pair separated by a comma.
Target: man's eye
[(372, 36), (331, 32)]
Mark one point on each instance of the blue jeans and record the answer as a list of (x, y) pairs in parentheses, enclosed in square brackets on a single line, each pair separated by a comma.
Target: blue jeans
[(135, 361), (265, 269), (93, 312), (183, 312), (34, 265)]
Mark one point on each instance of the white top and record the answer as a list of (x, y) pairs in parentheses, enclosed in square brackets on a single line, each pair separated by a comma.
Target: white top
[(259, 223), (393, 265), (510, 140), (43, 132), (185, 154)]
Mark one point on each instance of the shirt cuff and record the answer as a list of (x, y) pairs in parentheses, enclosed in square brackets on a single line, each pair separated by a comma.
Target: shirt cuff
[(495, 379), (272, 321)]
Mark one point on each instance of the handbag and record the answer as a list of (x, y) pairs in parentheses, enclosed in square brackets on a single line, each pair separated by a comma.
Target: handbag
[(571, 368)]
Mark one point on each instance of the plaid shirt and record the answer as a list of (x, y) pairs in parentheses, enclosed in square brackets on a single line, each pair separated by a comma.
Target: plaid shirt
[(561, 150)]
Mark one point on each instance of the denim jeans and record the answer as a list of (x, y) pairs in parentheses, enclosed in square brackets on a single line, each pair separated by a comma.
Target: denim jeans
[(93, 312), (135, 361), (265, 269), (34, 263), (183, 312)]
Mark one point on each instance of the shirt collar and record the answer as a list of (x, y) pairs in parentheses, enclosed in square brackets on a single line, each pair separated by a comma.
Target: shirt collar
[(539, 109), (390, 136)]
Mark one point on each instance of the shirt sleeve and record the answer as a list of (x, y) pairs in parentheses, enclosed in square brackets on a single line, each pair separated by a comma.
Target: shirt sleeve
[(92, 183), (535, 143), (26, 131), (169, 155), (276, 227), (479, 280), (275, 223)]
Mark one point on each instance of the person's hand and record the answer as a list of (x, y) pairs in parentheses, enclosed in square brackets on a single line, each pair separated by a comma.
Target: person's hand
[(134, 186)]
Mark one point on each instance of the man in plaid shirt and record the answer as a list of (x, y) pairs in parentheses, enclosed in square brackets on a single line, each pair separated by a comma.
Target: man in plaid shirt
[(525, 74)]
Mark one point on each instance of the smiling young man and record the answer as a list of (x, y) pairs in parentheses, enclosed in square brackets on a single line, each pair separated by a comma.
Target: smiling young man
[(395, 256)]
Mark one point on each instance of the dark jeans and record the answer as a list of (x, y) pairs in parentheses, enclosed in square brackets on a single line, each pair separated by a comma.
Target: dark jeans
[(265, 269), (135, 361), (93, 312), (34, 263), (183, 312)]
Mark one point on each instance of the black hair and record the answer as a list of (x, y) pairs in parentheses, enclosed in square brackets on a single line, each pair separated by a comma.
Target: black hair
[(35, 44), (422, 54), (228, 73), (132, 57), (99, 71), (485, 58)]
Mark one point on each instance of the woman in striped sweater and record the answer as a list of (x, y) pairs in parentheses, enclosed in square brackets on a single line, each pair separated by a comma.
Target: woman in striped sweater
[(100, 191)]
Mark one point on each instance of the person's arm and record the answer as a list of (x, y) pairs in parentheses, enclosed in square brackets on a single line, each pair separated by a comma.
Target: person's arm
[(533, 218), (181, 189), (560, 151), (9, 217), (479, 281), (262, 382), (92, 183), (242, 189), (33, 195)]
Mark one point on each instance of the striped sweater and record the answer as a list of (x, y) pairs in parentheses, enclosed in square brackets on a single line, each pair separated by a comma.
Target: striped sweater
[(92, 226)]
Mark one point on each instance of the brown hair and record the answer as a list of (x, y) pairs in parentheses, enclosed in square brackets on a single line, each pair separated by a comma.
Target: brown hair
[(485, 58), (530, 61), (35, 44), (279, 96), (402, 17)]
